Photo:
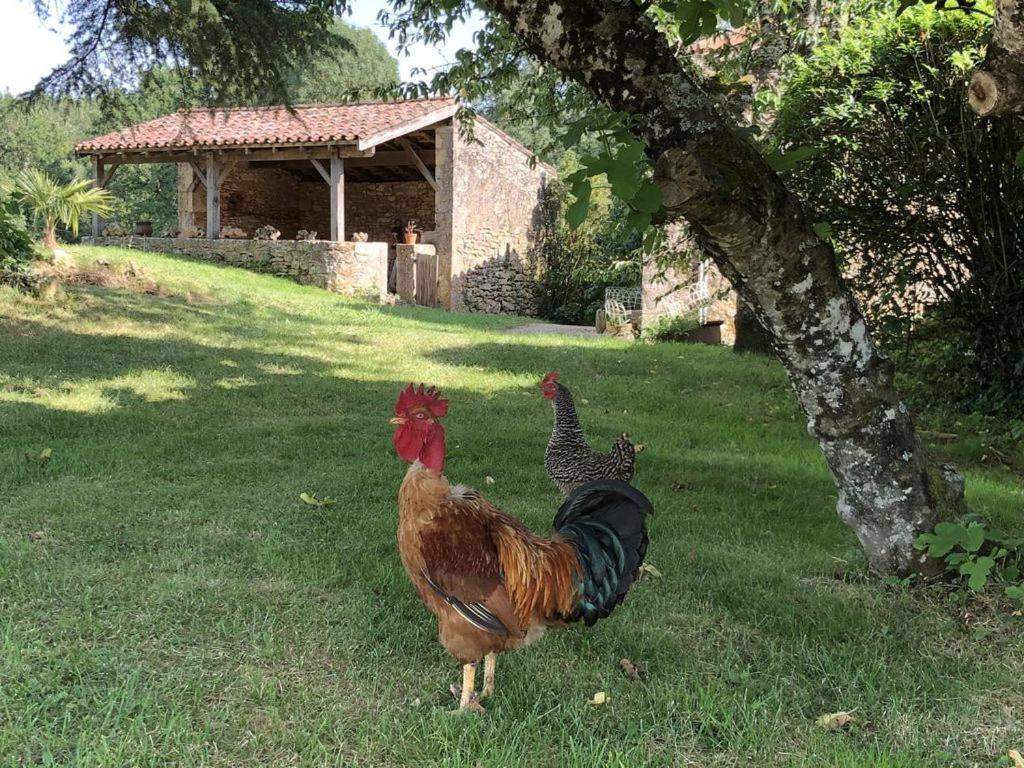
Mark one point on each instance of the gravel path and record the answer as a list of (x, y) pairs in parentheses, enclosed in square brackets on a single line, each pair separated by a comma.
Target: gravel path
[(562, 330)]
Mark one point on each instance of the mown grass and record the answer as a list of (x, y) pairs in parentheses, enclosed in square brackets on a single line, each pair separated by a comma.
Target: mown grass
[(167, 599)]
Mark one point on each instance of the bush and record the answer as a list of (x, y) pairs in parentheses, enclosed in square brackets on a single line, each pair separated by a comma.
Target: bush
[(576, 265), (672, 328), (16, 247), (923, 202)]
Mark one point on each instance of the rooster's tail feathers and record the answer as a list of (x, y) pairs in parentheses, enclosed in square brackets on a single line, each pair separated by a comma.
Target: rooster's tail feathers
[(606, 522)]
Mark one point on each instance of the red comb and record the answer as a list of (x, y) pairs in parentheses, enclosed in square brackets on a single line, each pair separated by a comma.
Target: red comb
[(410, 398), (551, 377)]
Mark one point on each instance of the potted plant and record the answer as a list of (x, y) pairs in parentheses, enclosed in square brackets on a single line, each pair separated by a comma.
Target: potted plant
[(411, 232)]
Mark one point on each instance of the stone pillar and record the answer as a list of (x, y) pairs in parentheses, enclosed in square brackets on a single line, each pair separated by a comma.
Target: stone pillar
[(405, 280), (444, 161)]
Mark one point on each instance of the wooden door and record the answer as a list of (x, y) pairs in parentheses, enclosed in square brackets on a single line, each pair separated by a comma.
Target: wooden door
[(426, 279)]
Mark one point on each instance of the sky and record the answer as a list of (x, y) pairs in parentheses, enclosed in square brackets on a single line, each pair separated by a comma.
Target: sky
[(29, 48)]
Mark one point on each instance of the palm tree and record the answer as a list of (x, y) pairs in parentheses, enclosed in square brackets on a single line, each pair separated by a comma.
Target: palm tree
[(54, 203)]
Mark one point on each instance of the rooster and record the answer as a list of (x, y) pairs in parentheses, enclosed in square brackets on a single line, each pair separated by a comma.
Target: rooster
[(569, 459), (493, 584)]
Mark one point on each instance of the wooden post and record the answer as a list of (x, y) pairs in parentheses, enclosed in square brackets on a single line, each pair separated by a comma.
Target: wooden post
[(212, 198), (337, 197), (97, 175)]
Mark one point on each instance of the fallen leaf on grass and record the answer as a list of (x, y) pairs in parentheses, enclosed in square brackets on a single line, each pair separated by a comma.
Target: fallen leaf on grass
[(633, 671), (835, 721), (599, 698), (650, 570), (313, 501), (489, 480), (639, 447), (42, 457), (35, 536), (1018, 760)]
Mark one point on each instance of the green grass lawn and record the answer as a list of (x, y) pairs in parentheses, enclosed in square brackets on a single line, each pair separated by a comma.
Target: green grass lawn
[(167, 599)]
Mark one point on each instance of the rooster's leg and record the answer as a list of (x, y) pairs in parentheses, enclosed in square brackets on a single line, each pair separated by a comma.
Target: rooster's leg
[(467, 700), (490, 660)]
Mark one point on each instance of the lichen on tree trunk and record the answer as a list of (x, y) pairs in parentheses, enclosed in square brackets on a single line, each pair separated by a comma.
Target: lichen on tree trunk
[(757, 233)]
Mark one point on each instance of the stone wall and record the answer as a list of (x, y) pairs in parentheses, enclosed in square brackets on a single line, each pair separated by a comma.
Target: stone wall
[(253, 196), (349, 268), (500, 284), (669, 291), (495, 197)]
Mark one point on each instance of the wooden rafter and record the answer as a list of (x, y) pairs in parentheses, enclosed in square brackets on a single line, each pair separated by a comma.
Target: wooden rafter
[(324, 173), (418, 162)]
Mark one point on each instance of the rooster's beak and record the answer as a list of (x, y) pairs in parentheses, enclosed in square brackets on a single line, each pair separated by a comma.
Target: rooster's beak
[(397, 420)]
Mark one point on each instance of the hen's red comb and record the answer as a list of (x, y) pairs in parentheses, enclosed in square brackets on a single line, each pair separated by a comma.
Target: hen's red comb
[(410, 398), (550, 378)]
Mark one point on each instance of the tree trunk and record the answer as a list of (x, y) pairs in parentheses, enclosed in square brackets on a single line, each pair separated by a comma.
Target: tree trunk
[(750, 336), (49, 236), (757, 233), (997, 85)]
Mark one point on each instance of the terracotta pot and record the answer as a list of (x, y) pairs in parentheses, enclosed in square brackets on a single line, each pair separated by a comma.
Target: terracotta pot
[(144, 228), (409, 238)]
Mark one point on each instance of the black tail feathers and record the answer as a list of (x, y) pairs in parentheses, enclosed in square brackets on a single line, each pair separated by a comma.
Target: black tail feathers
[(606, 521)]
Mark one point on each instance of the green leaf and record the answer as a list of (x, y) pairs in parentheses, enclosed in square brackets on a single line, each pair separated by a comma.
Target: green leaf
[(1016, 592), (823, 230), (576, 213), (313, 501), (647, 198), (781, 162), (978, 572), (639, 220), (974, 537)]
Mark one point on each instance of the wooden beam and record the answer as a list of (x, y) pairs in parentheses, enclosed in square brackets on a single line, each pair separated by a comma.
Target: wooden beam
[(97, 175), (109, 175), (337, 183), (391, 159), (212, 198), (200, 176), (424, 121), (319, 151), (418, 162), (324, 173)]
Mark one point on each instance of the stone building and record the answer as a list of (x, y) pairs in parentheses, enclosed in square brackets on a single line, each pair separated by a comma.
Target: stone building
[(337, 170)]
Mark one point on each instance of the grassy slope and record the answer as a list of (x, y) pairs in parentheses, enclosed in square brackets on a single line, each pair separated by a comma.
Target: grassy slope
[(184, 607)]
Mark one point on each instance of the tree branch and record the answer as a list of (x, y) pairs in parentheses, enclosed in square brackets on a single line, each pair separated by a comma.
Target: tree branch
[(997, 85)]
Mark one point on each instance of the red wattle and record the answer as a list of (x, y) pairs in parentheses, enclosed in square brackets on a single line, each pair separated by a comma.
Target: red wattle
[(432, 454), (408, 442)]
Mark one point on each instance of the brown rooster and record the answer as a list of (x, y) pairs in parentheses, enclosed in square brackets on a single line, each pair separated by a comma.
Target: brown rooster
[(569, 459), (492, 583)]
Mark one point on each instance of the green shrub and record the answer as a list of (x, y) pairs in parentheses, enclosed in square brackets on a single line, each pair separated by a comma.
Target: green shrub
[(17, 250), (923, 201), (672, 328), (576, 265)]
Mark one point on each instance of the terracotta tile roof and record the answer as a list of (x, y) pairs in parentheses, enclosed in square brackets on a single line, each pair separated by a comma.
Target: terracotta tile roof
[(260, 126), (723, 39)]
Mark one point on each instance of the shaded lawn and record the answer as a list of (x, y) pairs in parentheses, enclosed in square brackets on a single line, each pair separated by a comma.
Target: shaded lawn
[(166, 598)]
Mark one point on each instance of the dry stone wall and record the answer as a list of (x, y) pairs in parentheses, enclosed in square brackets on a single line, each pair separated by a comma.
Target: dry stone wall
[(501, 284), (348, 268)]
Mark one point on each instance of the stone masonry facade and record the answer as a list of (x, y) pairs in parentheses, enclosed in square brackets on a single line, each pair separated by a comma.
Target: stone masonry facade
[(493, 196), (354, 269)]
